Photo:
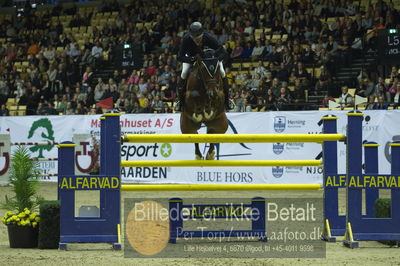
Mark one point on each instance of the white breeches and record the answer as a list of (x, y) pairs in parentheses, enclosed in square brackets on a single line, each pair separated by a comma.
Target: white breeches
[(186, 68)]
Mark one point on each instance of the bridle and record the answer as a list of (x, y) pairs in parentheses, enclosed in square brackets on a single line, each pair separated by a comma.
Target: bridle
[(212, 80)]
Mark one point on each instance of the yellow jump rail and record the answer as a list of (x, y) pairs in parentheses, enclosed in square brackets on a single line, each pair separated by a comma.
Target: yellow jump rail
[(231, 138), (220, 163), (206, 187)]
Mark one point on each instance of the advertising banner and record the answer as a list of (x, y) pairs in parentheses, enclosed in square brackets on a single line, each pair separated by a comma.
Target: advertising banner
[(379, 126)]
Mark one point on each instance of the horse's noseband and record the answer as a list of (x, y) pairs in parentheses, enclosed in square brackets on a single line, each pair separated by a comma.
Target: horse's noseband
[(212, 82)]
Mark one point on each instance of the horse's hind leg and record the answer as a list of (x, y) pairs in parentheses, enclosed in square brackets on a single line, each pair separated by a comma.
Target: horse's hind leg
[(199, 156), (211, 152)]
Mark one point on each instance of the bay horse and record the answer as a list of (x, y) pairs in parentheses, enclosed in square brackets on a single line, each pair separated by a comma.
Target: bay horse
[(204, 101)]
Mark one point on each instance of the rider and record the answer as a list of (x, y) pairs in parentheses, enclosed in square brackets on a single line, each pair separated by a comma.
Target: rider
[(192, 44)]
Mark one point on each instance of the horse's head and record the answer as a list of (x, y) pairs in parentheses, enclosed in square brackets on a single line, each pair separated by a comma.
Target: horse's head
[(204, 95), (208, 72)]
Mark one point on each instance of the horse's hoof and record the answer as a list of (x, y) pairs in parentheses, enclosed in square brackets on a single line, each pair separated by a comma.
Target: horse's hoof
[(210, 156), (198, 157)]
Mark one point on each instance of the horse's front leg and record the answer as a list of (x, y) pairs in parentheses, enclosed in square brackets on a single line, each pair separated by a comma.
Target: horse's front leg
[(199, 156), (211, 152)]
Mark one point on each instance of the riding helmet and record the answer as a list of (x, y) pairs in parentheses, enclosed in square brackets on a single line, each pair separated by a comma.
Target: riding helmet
[(196, 30)]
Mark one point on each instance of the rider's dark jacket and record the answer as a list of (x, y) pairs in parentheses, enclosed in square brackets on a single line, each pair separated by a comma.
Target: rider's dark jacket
[(189, 48)]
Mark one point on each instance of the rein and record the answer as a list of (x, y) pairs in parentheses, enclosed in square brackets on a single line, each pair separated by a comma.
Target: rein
[(212, 81)]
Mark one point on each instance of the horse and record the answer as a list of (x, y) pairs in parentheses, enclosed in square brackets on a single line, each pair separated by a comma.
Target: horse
[(204, 101)]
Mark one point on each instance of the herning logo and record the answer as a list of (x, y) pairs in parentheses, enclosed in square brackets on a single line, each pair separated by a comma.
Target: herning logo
[(278, 148), (277, 171), (279, 124)]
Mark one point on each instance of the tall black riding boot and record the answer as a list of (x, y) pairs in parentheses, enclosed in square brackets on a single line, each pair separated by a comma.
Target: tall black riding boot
[(181, 95), (228, 104)]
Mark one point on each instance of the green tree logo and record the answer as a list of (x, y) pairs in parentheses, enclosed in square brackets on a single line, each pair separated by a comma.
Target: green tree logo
[(166, 150), (48, 137)]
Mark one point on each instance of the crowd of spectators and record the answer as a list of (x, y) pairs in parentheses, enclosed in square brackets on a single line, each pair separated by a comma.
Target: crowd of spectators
[(64, 81)]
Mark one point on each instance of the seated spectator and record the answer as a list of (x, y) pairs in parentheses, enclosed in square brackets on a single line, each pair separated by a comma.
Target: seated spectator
[(311, 34), (85, 59), (134, 77), (246, 107), (257, 51), (283, 73), (237, 52), (270, 102), (365, 88), (288, 58), (380, 88), (151, 69), (381, 105), (283, 99), (345, 99), (168, 94), (49, 53), (99, 90), (122, 103), (394, 73), (142, 84), (276, 87), (166, 109), (41, 109), (97, 52), (267, 49), (165, 41), (4, 110), (308, 56), (50, 109), (90, 97), (247, 82), (323, 58), (274, 57), (277, 27), (396, 98), (165, 76), (248, 30), (260, 107), (223, 37), (325, 101), (366, 21), (301, 73), (251, 99), (62, 107), (260, 69), (371, 102), (135, 108), (323, 81), (238, 100), (256, 82), (87, 77), (80, 109), (111, 92), (299, 93), (116, 76), (331, 46), (157, 104), (80, 94), (344, 52)]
